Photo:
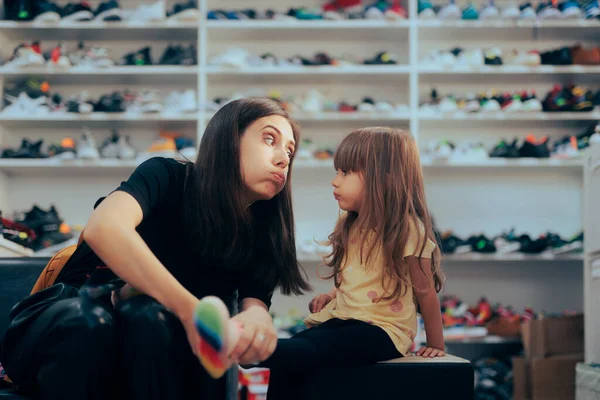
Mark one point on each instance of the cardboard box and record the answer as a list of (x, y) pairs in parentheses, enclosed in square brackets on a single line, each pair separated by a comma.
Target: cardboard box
[(553, 336), (521, 381), (551, 378)]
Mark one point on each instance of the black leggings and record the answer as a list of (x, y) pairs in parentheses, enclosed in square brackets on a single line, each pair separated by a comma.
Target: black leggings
[(335, 343), (81, 348)]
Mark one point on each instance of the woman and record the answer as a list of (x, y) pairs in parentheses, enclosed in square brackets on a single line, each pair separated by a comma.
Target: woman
[(176, 232)]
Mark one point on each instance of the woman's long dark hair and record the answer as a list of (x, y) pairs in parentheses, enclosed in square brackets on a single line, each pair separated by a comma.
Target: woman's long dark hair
[(220, 225)]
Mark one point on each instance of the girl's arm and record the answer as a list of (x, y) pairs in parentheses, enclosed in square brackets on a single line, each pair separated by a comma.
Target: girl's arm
[(429, 303), (111, 233)]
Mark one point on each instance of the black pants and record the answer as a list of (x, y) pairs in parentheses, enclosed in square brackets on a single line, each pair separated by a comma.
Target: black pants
[(81, 348), (335, 343)]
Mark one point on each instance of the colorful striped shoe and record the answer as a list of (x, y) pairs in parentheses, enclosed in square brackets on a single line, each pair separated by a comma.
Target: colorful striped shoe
[(218, 335)]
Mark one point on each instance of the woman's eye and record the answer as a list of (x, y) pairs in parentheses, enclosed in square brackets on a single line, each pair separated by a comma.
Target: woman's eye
[(269, 140), (290, 153)]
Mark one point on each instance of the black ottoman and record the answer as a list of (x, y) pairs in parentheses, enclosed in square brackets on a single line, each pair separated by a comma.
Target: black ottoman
[(17, 277), (412, 377)]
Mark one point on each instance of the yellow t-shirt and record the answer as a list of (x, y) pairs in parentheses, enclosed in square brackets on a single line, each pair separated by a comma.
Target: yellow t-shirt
[(361, 286)]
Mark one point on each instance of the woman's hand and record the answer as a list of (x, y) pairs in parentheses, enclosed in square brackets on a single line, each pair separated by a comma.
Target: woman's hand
[(258, 338), (319, 302)]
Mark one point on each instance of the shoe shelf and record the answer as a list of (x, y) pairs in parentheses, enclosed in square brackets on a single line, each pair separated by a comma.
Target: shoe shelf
[(516, 116), (11, 249), (150, 70), (49, 167), (496, 258), (485, 164), (342, 116), (97, 25), (486, 24), (511, 69), (296, 24), (102, 117), (316, 70)]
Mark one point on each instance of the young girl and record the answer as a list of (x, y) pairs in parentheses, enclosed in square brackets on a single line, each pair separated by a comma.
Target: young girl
[(384, 263), (221, 227)]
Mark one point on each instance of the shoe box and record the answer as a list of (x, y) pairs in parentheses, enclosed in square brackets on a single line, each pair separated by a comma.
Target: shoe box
[(553, 347), (550, 378), (553, 336)]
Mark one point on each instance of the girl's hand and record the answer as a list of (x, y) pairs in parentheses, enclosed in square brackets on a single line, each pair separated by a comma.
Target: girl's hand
[(430, 352), (258, 338), (319, 302)]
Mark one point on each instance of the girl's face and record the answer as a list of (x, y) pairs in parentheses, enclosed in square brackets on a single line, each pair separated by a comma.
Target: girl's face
[(348, 190), (266, 148)]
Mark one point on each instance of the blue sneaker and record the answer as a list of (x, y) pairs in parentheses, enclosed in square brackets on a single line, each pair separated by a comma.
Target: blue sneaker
[(470, 13), (591, 9), (570, 10), (425, 10)]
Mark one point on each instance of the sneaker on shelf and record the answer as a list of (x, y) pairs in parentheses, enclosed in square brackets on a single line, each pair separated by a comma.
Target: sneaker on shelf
[(46, 12), (306, 150), (137, 58), (527, 12), (86, 147), (450, 12), (452, 244), (185, 12), (469, 152), (313, 102), (529, 58), (152, 12), (448, 104), (594, 140), (80, 104), (110, 103), (530, 102), (489, 11), (438, 58), (505, 150), (582, 99), (591, 9), (513, 104), (489, 103), (58, 58), (234, 57), (396, 12), (50, 229), (26, 56), (549, 11), (110, 147), (425, 10), (181, 102), (535, 148), (375, 11), (470, 13), (77, 12), (185, 145), (568, 150), (26, 150), (161, 147), (148, 102), (178, 55), (65, 150), (570, 10), (109, 11), (511, 11), (470, 58), (367, 105), (493, 57), (481, 244), (25, 105), (95, 57), (472, 104)]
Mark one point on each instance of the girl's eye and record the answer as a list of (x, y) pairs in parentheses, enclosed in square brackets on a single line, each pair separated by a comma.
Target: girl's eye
[(344, 172)]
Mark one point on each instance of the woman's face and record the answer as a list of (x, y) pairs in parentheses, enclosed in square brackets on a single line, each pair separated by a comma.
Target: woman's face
[(266, 147)]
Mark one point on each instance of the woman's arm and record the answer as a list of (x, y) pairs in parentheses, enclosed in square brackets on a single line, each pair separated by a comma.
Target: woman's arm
[(111, 233), (429, 303)]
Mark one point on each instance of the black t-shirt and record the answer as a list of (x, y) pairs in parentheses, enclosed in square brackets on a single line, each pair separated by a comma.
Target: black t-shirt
[(158, 186)]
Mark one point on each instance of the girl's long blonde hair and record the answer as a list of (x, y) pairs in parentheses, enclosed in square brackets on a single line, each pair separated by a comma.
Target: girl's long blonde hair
[(394, 199)]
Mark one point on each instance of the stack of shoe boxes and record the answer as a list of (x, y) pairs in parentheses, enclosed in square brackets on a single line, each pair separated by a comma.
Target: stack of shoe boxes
[(553, 347)]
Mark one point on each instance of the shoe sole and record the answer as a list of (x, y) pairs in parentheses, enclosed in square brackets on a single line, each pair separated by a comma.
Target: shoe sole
[(50, 17), (187, 15), (79, 16), (114, 14), (211, 317)]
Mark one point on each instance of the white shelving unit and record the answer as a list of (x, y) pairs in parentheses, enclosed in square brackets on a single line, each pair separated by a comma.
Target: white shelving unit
[(469, 197)]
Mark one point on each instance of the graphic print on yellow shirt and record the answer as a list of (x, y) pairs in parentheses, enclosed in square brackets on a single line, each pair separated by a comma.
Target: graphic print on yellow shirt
[(361, 286)]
